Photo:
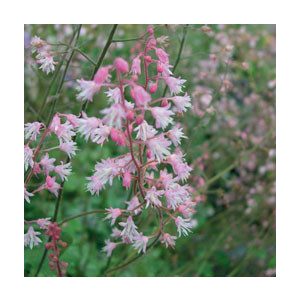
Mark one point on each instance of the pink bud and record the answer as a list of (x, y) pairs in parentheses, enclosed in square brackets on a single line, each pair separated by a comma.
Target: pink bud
[(134, 78), (148, 59), (153, 88), (101, 75), (121, 65), (139, 119), (159, 68), (49, 181), (150, 29), (114, 134), (149, 153), (130, 115), (164, 103), (127, 179)]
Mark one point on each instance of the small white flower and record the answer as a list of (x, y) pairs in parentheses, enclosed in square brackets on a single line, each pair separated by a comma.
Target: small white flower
[(47, 63), (27, 195), (140, 243), (162, 116), (145, 131), (182, 103), (63, 170), (87, 89), (159, 146), (183, 226), (68, 147), (31, 238), (129, 233), (152, 197), (28, 157), (32, 130), (109, 247), (175, 135)]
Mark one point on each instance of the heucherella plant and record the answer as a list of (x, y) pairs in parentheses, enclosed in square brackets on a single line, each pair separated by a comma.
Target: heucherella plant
[(152, 167), (144, 125)]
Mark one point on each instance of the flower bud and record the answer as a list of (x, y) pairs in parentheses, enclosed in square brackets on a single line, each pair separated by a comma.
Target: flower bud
[(164, 103), (153, 88), (159, 68), (148, 59), (130, 115), (121, 65), (139, 119)]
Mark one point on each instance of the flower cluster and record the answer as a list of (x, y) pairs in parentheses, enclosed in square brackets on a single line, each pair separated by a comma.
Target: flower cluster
[(44, 56), (37, 161), (144, 125)]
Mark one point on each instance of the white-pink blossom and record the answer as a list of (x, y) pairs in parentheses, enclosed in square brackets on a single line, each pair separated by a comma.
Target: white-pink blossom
[(31, 238), (134, 205), (140, 243), (182, 103), (129, 231), (175, 84), (159, 146), (47, 163), (168, 240), (28, 157), (69, 147), (32, 130), (162, 116), (87, 89), (51, 185), (113, 214), (141, 97), (152, 197), (27, 195), (109, 247), (183, 226), (63, 170), (145, 131), (176, 134)]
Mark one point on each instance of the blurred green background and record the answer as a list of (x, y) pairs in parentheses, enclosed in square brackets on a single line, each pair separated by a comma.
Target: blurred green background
[(230, 73)]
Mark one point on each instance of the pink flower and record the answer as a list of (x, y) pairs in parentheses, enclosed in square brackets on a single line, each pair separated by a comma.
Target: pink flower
[(129, 232), (109, 247), (176, 195), (180, 167), (136, 66), (183, 226), (116, 233), (175, 135), (63, 170), (47, 63), (47, 163), (102, 75), (51, 185), (175, 84), (141, 97), (95, 185), (182, 103), (87, 89), (159, 146), (166, 178), (152, 197), (168, 240), (134, 204), (162, 116), (100, 134), (113, 214), (114, 95), (115, 114), (145, 131), (140, 243), (127, 180), (32, 130), (27, 195), (118, 137), (31, 238), (162, 56), (88, 125), (43, 223), (28, 157), (121, 65), (187, 208), (68, 147), (63, 131)]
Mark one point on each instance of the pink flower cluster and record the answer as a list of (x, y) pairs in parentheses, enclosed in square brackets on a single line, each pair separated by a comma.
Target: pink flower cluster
[(44, 56), (143, 124), (37, 161)]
